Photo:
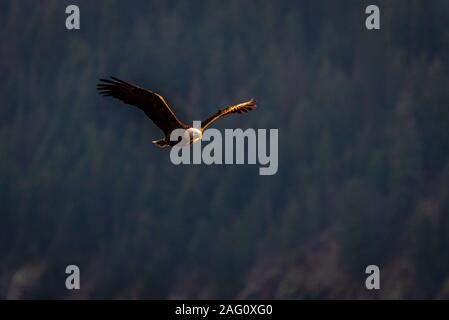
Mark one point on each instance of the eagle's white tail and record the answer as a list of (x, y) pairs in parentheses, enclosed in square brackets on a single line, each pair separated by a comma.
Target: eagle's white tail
[(162, 143)]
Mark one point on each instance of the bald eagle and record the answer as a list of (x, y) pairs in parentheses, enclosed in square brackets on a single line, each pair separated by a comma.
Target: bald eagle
[(157, 109)]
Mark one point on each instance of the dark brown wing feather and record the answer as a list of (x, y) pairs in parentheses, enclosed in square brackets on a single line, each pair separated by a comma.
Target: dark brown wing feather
[(149, 102), (238, 108)]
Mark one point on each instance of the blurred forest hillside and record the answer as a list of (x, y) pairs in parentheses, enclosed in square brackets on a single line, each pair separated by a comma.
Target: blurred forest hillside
[(363, 119)]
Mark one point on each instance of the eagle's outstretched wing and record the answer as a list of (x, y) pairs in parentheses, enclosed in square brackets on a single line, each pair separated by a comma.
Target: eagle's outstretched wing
[(149, 102), (238, 108)]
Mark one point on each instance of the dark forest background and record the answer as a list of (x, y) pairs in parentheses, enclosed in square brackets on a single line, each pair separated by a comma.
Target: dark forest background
[(363, 119)]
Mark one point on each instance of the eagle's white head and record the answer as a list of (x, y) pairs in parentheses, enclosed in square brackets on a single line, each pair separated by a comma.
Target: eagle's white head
[(193, 135)]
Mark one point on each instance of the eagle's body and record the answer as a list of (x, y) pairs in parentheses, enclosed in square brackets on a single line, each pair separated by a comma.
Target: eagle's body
[(155, 107)]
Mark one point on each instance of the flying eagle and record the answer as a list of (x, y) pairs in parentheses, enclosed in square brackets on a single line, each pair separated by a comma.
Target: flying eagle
[(155, 107)]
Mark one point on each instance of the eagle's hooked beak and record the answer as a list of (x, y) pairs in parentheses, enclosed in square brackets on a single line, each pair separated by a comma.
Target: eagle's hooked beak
[(193, 135)]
